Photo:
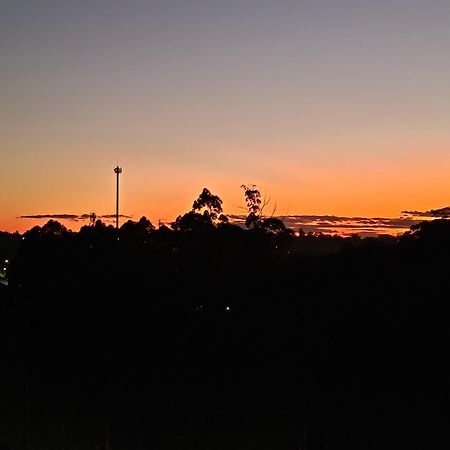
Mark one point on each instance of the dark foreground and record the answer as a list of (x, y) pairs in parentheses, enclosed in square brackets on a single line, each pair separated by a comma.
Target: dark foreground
[(224, 339)]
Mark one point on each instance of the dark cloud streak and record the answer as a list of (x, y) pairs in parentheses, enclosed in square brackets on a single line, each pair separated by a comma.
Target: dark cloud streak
[(73, 217), (441, 212), (317, 221)]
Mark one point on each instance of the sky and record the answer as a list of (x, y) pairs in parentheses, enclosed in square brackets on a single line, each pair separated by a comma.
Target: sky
[(329, 107)]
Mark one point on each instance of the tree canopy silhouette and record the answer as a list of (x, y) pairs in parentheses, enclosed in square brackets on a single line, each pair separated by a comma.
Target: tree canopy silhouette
[(255, 219), (223, 336), (206, 212)]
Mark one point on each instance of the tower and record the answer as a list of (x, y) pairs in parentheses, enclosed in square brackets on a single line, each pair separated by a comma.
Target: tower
[(117, 171)]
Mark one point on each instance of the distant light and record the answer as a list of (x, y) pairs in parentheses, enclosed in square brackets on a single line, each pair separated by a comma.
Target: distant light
[(6, 261), (227, 308), (4, 268)]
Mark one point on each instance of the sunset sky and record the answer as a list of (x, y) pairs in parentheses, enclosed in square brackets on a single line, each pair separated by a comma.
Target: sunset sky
[(331, 107)]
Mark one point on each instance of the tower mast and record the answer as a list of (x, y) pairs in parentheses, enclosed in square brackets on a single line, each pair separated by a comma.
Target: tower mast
[(117, 171)]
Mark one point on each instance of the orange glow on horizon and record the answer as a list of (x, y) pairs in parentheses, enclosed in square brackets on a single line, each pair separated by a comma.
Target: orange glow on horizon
[(380, 192), (303, 178)]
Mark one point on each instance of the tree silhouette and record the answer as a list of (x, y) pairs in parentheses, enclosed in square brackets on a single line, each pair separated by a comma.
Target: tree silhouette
[(206, 212), (142, 228), (274, 225), (53, 228), (255, 219), (334, 342), (98, 229), (254, 206), (211, 205)]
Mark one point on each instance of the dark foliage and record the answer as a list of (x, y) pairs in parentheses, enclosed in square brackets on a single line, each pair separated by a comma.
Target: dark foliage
[(211, 336), (206, 213)]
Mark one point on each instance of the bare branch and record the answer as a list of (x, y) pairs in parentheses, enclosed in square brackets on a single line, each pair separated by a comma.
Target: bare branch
[(274, 209)]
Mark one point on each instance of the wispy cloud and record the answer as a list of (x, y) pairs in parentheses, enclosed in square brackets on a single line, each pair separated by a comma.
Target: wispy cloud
[(343, 225), (350, 225), (441, 212), (112, 216), (53, 216), (73, 217)]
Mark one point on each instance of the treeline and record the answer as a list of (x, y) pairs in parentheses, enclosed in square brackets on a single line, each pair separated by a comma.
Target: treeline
[(207, 335)]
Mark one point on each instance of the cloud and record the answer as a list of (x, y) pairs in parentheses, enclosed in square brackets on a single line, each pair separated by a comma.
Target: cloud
[(113, 216), (343, 225), (73, 217), (441, 212), (52, 216)]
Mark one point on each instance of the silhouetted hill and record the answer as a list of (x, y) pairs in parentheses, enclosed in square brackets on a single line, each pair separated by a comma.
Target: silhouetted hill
[(213, 336)]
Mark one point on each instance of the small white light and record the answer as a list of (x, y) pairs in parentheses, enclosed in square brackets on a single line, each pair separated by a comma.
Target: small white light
[(6, 261), (227, 308)]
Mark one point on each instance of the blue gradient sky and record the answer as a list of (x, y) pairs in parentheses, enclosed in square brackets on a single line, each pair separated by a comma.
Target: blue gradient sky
[(333, 107)]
